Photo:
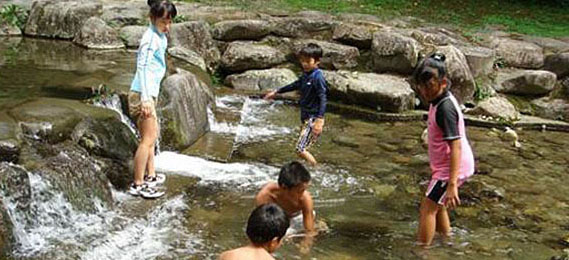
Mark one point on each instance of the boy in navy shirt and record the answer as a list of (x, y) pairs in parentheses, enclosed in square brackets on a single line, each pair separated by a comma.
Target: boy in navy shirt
[(313, 91)]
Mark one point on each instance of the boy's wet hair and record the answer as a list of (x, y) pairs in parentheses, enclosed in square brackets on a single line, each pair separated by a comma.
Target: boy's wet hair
[(293, 174), (433, 66), (311, 50), (161, 8), (266, 222)]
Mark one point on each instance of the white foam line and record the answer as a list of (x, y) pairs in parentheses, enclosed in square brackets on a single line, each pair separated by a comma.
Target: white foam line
[(238, 174)]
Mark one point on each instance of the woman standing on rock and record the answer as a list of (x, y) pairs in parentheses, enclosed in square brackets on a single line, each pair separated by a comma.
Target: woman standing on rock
[(150, 69)]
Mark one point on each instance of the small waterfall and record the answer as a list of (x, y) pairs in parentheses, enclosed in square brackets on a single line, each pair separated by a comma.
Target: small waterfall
[(52, 224), (113, 102), (253, 114)]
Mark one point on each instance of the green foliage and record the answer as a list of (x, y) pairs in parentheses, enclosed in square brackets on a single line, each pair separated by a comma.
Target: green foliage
[(532, 17), (216, 78), (480, 92), (101, 93), (180, 19), (13, 15)]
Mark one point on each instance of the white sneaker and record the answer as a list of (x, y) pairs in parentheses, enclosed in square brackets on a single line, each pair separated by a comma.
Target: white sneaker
[(159, 179), (145, 191)]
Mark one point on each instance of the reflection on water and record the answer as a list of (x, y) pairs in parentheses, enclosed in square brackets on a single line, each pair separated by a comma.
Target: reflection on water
[(367, 189)]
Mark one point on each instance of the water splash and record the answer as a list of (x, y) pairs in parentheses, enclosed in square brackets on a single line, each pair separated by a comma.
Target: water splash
[(228, 174), (253, 119)]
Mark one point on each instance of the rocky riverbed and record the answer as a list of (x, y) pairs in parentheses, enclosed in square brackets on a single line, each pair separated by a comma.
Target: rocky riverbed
[(66, 145)]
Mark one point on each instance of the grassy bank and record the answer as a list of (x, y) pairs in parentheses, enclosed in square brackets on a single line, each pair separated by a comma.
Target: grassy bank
[(532, 17)]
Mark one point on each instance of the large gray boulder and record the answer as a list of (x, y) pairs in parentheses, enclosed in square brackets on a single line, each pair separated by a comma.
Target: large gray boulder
[(96, 34), (53, 119), (355, 35), (302, 27), (131, 35), (518, 54), (60, 19), (334, 56), (549, 45), (558, 64), (393, 52), (385, 93), (480, 60), (242, 56), (496, 107), (182, 109), (258, 80), (458, 71), (434, 36), (196, 36), (119, 14), (188, 56), (525, 82), (241, 30), (556, 109)]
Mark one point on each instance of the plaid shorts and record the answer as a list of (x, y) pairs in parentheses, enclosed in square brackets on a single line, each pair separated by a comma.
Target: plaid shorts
[(135, 107), (306, 137)]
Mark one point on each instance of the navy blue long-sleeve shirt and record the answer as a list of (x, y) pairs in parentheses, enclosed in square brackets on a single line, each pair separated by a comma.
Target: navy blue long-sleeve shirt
[(313, 91)]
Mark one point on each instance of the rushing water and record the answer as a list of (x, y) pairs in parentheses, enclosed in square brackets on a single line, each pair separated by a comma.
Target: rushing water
[(366, 190)]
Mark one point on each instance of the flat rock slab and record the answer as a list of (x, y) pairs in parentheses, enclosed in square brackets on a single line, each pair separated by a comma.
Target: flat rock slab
[(261, 80), (96, 34), (241, 30), (385, 93), (242, 56), (519, 54), (393, 52), (525, 82), (334, 56)]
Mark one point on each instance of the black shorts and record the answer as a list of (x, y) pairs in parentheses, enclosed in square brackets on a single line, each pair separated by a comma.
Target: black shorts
[(437, 190)]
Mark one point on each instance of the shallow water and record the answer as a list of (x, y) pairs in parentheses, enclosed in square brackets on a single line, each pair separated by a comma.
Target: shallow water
[(366, 191)]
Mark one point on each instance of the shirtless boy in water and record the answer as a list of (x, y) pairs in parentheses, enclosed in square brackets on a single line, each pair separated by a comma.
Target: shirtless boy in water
[(291, 194)]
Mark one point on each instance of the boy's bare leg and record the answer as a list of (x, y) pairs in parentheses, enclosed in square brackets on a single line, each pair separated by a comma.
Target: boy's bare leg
[(148, 129), (427, 222), (443, 222), (308, 157)]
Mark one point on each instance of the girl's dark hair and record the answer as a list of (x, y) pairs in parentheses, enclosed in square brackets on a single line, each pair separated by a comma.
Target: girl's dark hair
[(159, 8), (434, 63), (293, 174), (267, 222)]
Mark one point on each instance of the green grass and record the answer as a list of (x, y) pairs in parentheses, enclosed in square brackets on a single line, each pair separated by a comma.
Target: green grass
[(532, 17)]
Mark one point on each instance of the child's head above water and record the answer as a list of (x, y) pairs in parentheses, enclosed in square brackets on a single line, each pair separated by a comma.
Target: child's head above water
[(161, 14), (294, 178), (309, 56), (267, 225), (431, 76)]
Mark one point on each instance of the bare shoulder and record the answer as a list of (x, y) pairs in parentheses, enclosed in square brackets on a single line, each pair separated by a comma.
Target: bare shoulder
[(306, 201), (266, 194), (228, 255)]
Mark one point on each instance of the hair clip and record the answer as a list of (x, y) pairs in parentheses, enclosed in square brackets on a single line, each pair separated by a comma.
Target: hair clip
[(438, 56)]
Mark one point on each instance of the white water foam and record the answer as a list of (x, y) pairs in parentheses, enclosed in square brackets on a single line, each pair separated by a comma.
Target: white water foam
[(51, 224), (160, 234), (253, 123), (232, 174)]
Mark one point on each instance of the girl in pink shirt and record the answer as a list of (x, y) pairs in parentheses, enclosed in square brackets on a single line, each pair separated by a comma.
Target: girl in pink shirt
[(450, 155)]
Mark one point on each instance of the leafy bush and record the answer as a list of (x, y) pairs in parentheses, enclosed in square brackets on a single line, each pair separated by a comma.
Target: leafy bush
[(13, 15)]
